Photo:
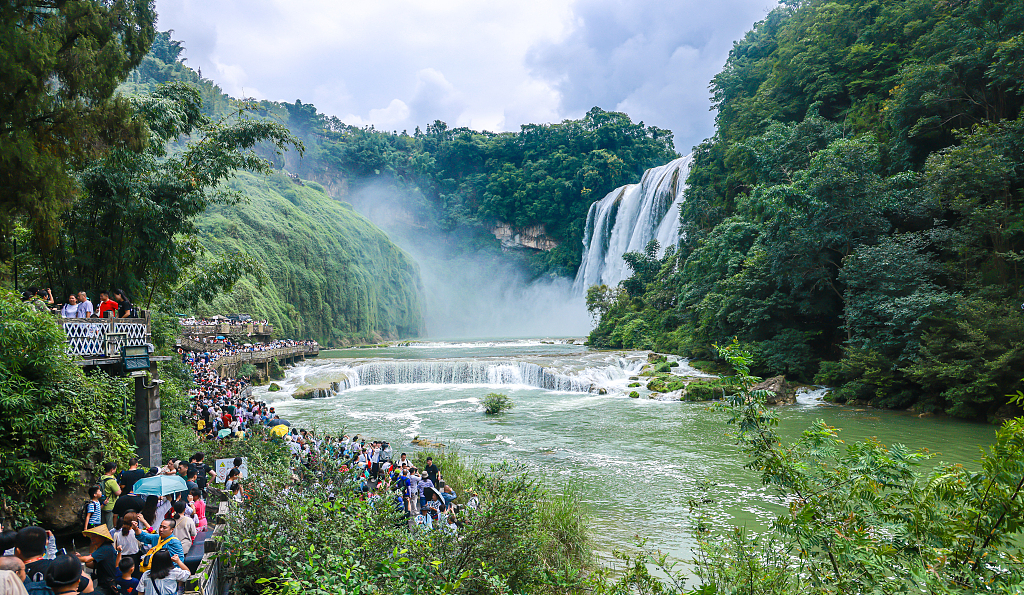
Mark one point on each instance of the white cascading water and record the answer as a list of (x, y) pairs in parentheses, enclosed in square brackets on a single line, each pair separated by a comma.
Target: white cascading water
[(459, 372), (627, 219)]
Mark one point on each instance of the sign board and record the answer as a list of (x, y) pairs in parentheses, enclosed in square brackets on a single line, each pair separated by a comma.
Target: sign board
[(135, 357), (224, 465)]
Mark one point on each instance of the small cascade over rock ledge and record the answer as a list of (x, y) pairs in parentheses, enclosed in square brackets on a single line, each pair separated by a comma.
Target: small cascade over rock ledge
[(629, 217)]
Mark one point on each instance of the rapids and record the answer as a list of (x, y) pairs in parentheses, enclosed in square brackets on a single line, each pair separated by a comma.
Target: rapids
[(639, 461)]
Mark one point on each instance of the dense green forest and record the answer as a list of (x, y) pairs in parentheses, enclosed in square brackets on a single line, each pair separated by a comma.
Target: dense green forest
[(456, 181), (334, 275), (856, 218)]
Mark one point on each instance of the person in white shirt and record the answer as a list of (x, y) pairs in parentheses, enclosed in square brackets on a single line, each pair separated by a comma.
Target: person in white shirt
[(166, 576)]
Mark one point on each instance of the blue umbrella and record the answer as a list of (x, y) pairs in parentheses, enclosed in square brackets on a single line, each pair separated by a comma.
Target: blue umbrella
[(160, 485)]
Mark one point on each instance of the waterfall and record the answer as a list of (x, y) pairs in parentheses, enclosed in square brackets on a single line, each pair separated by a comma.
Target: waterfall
[(627, 219), (467, 372)]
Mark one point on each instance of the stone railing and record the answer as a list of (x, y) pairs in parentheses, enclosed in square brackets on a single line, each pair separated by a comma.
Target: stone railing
[(262, 357), (193, 345), (227, 328), (104, 337)]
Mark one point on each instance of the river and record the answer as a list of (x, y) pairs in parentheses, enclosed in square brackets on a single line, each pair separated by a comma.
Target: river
[(640, 461)]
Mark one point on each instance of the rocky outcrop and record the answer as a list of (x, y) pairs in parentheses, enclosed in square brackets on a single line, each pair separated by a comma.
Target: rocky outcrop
[(533, 237), (60, 514), (779, 391)]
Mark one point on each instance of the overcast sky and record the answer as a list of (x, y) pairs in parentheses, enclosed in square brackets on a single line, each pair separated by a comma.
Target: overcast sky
[(485, 64)]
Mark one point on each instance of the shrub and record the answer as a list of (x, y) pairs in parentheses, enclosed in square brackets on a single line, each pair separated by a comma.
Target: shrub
[(495, 403), (276, 371), (247, 369)]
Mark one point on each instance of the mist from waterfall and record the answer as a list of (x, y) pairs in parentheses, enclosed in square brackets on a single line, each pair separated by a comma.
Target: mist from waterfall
[(629, 217), (473, 294)]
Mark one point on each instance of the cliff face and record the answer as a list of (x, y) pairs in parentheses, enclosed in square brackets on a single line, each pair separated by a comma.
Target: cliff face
[(336, 277), (533, 237)]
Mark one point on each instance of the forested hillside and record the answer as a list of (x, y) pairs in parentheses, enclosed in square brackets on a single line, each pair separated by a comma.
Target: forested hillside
[(856, 218), (334, 275), (455, 181)]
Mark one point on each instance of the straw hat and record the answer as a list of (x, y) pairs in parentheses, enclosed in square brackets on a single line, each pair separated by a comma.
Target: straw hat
[(100, 531)]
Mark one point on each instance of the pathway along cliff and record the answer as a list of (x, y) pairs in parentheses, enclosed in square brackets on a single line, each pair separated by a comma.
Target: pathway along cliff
[(639, 461)]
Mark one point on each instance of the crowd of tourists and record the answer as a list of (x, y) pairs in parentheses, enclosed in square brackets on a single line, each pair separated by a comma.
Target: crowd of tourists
[(137, 543), (78, 305)]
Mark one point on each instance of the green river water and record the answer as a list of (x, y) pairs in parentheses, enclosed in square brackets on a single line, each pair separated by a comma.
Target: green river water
[(640, 461)]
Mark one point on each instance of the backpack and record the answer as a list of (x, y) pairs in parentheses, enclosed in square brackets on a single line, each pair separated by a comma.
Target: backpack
[(83, 513), (39, 587)]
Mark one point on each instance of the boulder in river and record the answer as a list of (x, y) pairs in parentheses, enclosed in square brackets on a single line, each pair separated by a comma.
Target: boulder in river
[(779, 391)]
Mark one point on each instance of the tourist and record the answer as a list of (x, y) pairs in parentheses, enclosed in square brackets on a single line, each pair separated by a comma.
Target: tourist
[(131, 475), (127, 584), (85, 307), (163, 509), (106, 305), (93, 515), (124, 305), (124, 538), (70, 309), (130, 502), (184, 527), (432, 470), (425, 484), (167, 575), (103, 559), (14, 565), (234, 477), (448, 495), (31, 545), (64, 575), (195, 498), (203, 471), (111, 489), (163, 540)]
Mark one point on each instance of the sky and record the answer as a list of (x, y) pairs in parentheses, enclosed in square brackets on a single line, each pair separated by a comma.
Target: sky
[(488, 65)]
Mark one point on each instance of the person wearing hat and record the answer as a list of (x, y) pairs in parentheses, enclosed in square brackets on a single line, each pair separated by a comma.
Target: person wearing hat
[(103, 559)]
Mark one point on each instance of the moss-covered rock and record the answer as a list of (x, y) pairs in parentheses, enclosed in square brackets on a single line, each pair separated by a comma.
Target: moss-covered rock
[(634, 395), (274, 387)]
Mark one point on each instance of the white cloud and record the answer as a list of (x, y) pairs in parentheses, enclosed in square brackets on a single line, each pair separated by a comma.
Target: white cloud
[(488, 65)]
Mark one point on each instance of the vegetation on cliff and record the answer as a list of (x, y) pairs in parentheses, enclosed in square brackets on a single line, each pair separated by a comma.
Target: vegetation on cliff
[(334, 276), (856, 218)]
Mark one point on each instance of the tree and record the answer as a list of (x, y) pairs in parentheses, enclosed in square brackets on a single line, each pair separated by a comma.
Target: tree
[(60, 63), (136, 227), (57, 421)]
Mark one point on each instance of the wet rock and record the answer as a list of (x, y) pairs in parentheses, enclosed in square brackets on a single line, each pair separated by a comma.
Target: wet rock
[(780, 392), (634, 395), (274, 387), (602, 391)]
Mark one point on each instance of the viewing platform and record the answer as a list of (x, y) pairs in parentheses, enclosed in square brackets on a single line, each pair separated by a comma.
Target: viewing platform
[(121, 347), (228, 365), (228, 329)]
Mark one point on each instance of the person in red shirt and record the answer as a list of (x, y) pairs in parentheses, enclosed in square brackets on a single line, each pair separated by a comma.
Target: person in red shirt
[(106, 305)]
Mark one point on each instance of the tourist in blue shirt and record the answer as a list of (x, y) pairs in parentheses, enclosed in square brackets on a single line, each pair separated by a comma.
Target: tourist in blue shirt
[(164, 536)]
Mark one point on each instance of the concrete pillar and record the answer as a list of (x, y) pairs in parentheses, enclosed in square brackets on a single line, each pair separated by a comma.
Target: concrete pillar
[(147, 419)]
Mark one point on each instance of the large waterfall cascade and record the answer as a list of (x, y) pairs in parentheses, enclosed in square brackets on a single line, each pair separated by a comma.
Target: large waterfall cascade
[(627, 219)]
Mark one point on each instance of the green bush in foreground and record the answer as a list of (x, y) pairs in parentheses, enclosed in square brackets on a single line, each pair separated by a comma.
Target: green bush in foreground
[(495, 403), (55, 420)]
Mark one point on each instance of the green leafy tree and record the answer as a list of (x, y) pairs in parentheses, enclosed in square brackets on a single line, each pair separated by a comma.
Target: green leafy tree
[(136, 227), (57, 421), (60, 63)]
